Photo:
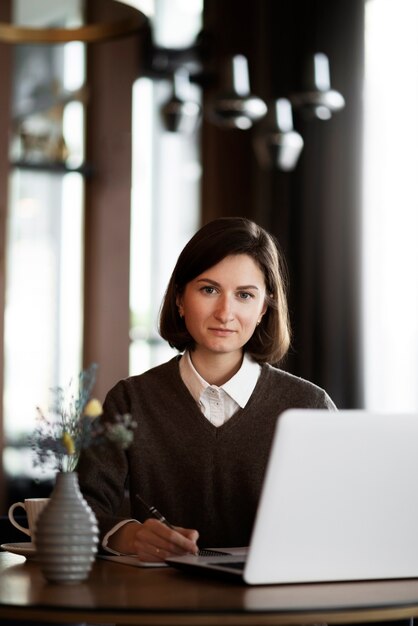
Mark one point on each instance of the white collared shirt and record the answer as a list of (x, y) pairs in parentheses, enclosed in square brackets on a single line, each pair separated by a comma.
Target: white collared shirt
[(218, 404)]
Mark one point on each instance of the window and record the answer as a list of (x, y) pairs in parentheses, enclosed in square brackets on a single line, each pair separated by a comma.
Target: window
[(165, 189), (391, 205), (44, 255)]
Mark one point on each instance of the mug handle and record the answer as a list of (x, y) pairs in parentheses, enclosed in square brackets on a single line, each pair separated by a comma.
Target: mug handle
[(14, 522)]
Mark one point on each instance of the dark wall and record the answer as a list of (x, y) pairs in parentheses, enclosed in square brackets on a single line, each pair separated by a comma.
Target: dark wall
[(313, 211)]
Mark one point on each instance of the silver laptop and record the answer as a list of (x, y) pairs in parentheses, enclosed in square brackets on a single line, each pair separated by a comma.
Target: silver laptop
[(339, 502)]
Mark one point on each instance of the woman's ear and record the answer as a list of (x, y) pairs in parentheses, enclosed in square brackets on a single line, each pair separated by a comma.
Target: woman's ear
[(268, 297), (264, 309), (179, 305)]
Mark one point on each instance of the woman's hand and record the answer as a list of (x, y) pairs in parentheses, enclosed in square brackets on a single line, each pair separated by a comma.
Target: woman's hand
[(154, 541)]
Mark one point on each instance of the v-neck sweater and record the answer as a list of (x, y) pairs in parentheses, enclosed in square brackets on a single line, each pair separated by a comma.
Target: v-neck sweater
[(198, 475)]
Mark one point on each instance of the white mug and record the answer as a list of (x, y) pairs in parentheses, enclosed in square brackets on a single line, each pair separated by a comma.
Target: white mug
[(33, 507)]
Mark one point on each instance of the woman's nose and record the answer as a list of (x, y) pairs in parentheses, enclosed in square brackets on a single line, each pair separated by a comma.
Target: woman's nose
[(224, 311)]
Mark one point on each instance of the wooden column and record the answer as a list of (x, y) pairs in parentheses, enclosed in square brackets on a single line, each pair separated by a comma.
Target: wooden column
[(112, 68)]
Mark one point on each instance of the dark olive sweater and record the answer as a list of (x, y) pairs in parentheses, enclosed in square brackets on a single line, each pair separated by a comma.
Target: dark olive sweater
[(198, 475)]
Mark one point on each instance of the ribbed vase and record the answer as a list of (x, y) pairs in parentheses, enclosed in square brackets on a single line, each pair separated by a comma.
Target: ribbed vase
[(66, 534)]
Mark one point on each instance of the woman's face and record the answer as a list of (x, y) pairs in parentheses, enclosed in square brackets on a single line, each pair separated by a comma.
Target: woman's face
[(221, 306)]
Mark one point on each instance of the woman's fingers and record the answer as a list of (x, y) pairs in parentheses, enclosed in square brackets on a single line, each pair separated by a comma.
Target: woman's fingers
[(155, 541), (189, 533)]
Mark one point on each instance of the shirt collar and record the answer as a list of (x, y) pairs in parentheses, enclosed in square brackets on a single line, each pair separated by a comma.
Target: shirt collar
[(239, 387), (191, 378)]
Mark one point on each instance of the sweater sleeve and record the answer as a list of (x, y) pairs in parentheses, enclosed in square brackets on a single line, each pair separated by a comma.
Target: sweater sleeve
[(325, 402), (102, 469)]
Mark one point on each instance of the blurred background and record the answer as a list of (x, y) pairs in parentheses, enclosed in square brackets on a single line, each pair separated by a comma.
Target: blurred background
[(299, 114)]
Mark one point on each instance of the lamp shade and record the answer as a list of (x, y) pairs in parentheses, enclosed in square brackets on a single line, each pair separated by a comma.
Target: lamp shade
[(278, 145), (318, 99), (180, 113), (235, 106)]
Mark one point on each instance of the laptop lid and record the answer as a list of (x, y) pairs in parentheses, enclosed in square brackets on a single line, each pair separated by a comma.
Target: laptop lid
[(339, 501)]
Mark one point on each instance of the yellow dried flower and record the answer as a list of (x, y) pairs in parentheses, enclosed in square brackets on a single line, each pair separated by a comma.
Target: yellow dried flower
[(71, 425), (93, 408), (68, 443)]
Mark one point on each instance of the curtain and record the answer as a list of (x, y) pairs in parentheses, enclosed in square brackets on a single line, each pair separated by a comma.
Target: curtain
[(314, 211)]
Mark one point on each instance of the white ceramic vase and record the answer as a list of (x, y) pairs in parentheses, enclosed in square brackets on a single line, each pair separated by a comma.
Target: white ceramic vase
[(66, 533)]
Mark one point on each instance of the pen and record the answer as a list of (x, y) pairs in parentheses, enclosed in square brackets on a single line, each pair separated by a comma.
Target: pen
[(155, 512), (159, 516)]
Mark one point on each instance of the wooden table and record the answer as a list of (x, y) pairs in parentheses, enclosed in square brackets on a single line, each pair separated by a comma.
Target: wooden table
[(123, 594)]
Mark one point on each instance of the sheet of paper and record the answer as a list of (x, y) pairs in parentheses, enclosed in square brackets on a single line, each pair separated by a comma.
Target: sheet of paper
[(135, 562), (130, 560)]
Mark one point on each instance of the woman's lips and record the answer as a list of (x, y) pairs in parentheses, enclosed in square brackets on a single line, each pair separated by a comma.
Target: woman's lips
[(222, 332)]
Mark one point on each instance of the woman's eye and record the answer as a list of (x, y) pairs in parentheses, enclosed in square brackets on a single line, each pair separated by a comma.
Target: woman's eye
[(244, 295), (208, 290)]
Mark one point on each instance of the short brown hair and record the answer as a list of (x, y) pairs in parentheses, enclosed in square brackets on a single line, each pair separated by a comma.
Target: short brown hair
[(213, 242)]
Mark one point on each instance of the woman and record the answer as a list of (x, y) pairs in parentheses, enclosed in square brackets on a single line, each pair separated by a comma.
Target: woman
[(206, 417)]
